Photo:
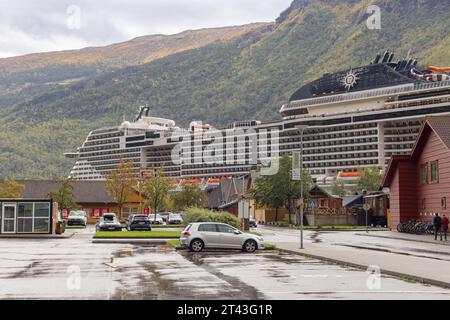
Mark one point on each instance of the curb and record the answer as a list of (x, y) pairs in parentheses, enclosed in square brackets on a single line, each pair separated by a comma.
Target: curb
[(131, 241), (428, 281), (22, 237)]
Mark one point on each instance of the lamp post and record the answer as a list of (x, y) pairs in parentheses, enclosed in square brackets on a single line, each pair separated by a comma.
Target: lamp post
[(302, 129)]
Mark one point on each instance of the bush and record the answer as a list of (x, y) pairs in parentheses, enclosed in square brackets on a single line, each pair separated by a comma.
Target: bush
[(204, 215)]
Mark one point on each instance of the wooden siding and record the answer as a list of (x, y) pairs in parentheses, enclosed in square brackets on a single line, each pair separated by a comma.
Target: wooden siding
[(403, 194), (434, 150)]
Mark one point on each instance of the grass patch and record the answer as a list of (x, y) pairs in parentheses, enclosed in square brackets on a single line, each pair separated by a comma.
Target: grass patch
[(270, 246), (165, 226), (75, 227), (174, 243), (139, 234)]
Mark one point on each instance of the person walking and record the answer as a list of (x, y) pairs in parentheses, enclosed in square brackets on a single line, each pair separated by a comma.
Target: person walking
[(444, 227), (437, 222)]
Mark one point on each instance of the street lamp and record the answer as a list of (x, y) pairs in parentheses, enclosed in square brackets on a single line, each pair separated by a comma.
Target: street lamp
[(302, 129)]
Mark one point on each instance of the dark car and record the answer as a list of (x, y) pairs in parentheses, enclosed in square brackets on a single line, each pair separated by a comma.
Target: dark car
[(252, 223), (139, 223)]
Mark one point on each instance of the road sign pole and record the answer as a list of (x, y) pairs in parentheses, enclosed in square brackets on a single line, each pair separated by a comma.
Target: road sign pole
[(366, 208)]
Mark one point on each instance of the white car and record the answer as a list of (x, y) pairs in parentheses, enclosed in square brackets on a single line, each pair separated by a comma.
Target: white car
[(204, 235), (77, 218), (155, 220)]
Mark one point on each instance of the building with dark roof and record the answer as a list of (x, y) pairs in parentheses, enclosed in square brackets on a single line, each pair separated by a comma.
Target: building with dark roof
[(90, 196), (419, 183)]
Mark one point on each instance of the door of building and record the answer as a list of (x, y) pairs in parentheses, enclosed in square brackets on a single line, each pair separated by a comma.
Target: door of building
[(9, 214)]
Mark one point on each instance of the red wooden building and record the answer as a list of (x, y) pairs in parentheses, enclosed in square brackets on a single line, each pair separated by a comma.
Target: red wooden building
[(420, 183)]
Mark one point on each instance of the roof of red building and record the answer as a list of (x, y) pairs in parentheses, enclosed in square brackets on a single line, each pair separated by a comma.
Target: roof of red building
[(439, 125)]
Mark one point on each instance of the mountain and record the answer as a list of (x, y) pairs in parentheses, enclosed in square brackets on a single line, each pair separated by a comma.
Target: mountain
[(248, 76)]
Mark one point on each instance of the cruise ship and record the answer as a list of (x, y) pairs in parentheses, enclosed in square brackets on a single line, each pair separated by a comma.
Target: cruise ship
[(350, 120)]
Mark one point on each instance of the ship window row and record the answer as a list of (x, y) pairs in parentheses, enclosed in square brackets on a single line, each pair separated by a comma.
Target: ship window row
[(108, 147), (342, 156), (340, 135), (399, 146), (314, 131), (402, 124), (401, 139), (105, 136), (216, 172), (341, 149), (342, 163), (125, 157), (159, 159), (402, 131), (95, 143), (116, 152), (420, 103), (205, 165)]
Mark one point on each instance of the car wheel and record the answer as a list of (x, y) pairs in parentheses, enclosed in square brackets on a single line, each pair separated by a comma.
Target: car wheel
[(197, 245), (250, 246)]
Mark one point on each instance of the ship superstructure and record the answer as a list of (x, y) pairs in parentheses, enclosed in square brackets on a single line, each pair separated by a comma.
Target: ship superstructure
[(356, 118)]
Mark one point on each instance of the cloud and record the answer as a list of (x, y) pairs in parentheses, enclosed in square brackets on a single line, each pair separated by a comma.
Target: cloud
[(28, 26)]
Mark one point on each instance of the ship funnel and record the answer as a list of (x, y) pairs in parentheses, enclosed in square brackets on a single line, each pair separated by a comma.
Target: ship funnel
[(386, 57), (391, 57), (377, 59)]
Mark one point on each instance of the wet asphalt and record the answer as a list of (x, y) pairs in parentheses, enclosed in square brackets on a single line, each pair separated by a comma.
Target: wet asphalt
[(75, 268)]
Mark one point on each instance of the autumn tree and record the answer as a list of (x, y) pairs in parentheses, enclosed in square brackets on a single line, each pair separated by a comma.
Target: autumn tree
[(64, 196), (279, 190), (11, 189), (157, 190), (190, 196), (120, 183), (338, 188), (370, 180)]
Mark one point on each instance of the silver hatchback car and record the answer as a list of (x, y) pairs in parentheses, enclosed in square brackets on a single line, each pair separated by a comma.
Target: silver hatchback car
[(205, 235)]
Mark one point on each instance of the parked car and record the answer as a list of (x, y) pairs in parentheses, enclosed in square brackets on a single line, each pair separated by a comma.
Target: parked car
[(108, 222), (205, 235), (175, 218), (139, 223), (165, 215), (77, 218), (158, 219), (252, 223)]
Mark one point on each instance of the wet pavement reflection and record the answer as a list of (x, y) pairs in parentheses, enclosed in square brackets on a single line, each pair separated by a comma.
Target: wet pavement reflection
[(78, 269)]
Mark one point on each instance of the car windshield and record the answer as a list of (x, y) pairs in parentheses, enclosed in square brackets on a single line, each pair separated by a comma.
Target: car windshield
[(140, 218), (76, 214), (108, 218), (174, 216)]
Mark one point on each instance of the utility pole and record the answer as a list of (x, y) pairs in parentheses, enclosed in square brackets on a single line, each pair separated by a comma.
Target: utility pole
[(302, 130)]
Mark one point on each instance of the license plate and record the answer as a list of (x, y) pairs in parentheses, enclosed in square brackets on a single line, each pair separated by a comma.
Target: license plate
[(142, 223)]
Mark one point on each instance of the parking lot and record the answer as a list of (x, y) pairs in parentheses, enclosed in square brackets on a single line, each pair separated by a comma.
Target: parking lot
[(77, 269)]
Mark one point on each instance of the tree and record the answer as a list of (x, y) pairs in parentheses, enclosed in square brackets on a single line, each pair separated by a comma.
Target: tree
[(279, 190), (11, 189), (157, 190), (370, 180), (64, 196), (338, 188), (120, 183), (190, 196)]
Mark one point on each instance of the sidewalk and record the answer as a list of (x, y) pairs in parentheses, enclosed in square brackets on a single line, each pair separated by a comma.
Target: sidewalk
[(424, 270), (408, 237)]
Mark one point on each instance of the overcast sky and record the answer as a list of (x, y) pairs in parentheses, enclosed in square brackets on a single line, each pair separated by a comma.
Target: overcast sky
[(28, 26)]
